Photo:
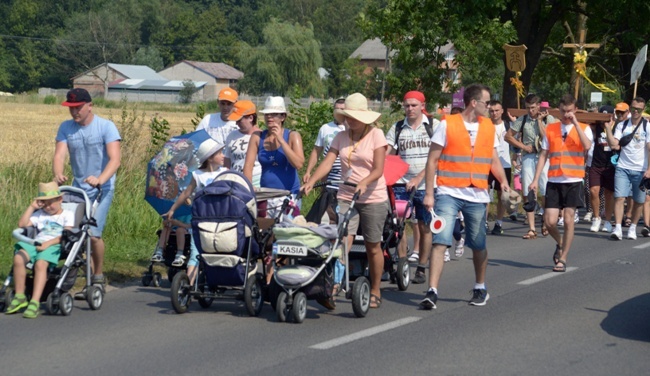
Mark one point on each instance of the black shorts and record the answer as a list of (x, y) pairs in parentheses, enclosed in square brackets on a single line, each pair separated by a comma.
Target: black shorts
[(602, 177), (564, 195), (497, 185)]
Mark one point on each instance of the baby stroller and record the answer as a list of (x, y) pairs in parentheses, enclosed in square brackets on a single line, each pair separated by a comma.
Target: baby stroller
[(75, 250), (169, 252), (225, 232), (396, 268), (309, 254)]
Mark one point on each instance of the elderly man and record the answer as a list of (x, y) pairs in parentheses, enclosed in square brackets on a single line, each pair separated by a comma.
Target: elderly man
[(463, 152)]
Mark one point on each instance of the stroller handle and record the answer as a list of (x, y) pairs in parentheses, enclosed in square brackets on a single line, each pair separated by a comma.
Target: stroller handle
[(19, 234)]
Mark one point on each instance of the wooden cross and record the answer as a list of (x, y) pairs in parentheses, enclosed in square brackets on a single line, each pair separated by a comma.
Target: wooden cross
[(579, 47)]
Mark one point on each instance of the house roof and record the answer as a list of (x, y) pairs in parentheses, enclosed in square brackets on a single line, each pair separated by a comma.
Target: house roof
[(374, 49), (158, 85), (217, 70), (130, 71)]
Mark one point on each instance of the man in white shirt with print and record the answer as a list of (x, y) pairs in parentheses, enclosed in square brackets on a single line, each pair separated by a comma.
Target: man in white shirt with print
[(217, 125)]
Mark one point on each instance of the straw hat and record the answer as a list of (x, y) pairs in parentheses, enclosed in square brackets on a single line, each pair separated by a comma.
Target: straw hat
[(274, 105), (207, 149), (47, 191), (512, 198), (356, 107)]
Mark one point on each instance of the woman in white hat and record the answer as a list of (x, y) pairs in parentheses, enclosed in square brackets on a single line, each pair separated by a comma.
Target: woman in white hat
[(362, 150), (278, 150)]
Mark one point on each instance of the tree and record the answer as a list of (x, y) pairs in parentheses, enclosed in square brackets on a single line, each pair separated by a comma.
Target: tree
[(187, 92), (149, 56), (289, 56)]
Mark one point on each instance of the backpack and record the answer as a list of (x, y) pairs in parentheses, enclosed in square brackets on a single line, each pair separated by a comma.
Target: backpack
[(616, 153), (400, 125)]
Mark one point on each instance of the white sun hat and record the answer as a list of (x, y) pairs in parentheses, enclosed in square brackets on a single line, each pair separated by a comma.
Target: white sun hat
[(356, 107), (207, 149), (274, 105)]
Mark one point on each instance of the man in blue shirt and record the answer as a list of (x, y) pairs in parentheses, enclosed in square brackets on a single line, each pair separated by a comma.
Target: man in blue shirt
[(94, 147)]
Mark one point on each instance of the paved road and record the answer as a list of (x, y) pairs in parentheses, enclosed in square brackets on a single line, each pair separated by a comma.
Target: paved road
[(592, 320)]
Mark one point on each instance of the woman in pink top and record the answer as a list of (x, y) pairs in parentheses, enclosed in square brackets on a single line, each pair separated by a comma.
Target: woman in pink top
[(362, 150)]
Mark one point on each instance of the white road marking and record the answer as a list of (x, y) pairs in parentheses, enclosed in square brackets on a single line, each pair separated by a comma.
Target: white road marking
[(365, 333), (641, 246), (545, 276)]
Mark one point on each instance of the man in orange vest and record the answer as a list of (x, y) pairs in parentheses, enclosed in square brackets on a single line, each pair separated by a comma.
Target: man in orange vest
[(565, 144), (462, 154)]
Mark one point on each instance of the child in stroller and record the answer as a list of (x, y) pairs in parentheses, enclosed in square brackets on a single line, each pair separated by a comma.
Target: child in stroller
[(47, 215)]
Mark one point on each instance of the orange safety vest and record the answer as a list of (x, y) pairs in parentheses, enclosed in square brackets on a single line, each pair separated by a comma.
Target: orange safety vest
[(460, 164), (566, 158)]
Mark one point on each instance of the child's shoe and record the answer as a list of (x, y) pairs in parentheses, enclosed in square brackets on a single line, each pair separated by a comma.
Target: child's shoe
[(157, 256), (17, 303), (179, 260), (32, 311), (447, 257)]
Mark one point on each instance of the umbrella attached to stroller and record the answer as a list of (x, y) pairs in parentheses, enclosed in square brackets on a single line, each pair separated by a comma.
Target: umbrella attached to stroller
[(170, 172)]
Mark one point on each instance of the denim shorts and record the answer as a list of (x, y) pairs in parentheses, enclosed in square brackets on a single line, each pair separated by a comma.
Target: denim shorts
[(101, 212), (192, 261), (421, 214), (626, 181), (447, 207)]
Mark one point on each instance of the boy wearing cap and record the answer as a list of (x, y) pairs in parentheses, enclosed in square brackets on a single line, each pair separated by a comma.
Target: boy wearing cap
[(93, 144), (564, 144), (236, 146), (46, 214), (217, 125), (410, 139)]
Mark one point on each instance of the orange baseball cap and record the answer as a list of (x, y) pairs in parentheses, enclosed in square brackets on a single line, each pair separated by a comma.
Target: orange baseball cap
[(622, 106), (241, 109), (228, 94)]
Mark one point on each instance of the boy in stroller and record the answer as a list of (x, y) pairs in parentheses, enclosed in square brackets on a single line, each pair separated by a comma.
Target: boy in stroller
[(50, 219)]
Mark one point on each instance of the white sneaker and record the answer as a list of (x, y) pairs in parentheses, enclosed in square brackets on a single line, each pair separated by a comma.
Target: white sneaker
[(607, 227), (414, 257), (560, 221), (595, 224), (576, 219), (447, 257), (540, 212), (631, 234), (179, 260), (460, 248), (617, 234), (588, 218)]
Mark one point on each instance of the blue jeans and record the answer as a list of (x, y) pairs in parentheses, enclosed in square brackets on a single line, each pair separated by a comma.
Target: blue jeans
[(447, 207)]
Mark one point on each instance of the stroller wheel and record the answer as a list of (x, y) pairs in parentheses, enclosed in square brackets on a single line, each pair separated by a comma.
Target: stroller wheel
[(181, 292), (361, 296), (253, 296), (282, 310), (94, 297), (403, 274), (171, 272), (5, 300), (146, 279), (66, 303), (52, 305), (299, 307), (156, 279)]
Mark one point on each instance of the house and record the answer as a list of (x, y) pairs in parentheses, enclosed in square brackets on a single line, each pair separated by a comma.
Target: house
[(98, 79), (216, 75), (372, 54), (162, 91)]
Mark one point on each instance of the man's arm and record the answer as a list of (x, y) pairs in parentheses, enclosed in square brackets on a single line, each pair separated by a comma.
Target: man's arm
[(58, 162), (313, 159), (498, 171), (114, 156)]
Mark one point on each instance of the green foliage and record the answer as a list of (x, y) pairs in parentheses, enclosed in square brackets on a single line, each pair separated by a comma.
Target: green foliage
[(186, 93), (159, 131), (199, 115), (50, 99), (149, 56)]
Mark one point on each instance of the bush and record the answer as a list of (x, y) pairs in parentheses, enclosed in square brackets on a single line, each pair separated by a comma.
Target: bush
[(50, 99)]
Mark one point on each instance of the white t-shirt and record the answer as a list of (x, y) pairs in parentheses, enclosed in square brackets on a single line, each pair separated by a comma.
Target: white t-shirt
[(413, 147), (324, 139), (51, 226), (472, 194), (633, 155), (204, 178), (504, 148), (235, 150), (216, 127), (565, 129)]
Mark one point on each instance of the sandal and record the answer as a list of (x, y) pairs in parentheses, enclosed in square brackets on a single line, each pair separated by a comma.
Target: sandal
[(336, 289), (32, 310), (557, 254), (544, 230), (560, 266), (531, 234), (375, 301), (16, 305)]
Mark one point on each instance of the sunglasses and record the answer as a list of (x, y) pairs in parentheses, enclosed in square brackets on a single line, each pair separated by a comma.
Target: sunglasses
[(636, 109)]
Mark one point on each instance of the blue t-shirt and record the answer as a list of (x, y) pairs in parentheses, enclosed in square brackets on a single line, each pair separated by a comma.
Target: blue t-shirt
[(277, 172), (87, 148)]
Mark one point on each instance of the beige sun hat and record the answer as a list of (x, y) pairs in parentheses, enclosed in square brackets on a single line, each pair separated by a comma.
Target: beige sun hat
[(207, 149), (513, 199), (47, 191), (274, 105), (356, 107)]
